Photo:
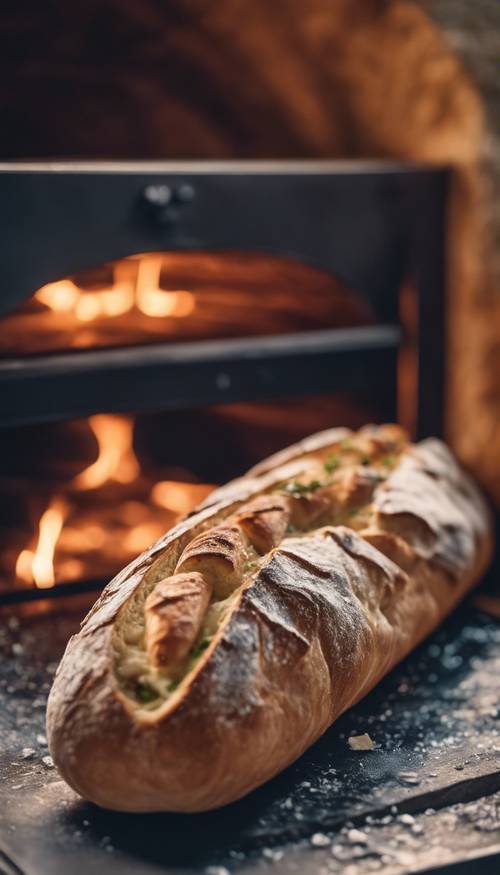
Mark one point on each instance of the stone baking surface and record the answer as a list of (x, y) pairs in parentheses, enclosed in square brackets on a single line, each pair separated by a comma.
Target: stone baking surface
[(427, 792)]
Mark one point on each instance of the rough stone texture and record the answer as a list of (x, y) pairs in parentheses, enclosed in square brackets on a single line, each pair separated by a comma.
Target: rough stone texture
[(473, 33), (395, 78)]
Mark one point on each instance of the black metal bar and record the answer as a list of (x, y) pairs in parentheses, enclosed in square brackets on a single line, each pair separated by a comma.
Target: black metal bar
[(482, 861), (428, 271), (59, 590), (176, 376), (386, 392), (8, 867)]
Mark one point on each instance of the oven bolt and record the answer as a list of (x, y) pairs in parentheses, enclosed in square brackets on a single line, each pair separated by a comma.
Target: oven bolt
[(157, 195), (157, 199), (184, 193), (162, 202), (222, 380)]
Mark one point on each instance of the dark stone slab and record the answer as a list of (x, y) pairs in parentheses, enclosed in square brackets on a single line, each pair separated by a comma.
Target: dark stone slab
[(435, 722)]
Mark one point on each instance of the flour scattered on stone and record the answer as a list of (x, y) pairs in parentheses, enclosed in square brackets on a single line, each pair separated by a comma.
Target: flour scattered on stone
[(320, 840), (357, 837), (27, 752)]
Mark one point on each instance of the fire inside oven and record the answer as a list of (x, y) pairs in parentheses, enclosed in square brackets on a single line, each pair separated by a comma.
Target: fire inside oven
[(248, 347)]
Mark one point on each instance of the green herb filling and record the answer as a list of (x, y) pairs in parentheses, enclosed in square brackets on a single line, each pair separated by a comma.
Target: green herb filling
[(199, 648), (296, 488), (332, 463), (146, 694)]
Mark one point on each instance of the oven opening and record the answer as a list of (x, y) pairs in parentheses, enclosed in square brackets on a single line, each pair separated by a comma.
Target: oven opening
[(283, 300), (82, 498)]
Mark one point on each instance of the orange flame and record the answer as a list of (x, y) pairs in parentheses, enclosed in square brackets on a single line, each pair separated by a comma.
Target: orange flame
[(116, 460), (154, 301), (142, 536), (61, 296), (37, 566), (136, 522), (136, 283), (179, 497)]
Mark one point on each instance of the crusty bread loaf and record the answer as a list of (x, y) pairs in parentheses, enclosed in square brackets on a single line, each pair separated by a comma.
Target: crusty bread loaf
[(220, 654)]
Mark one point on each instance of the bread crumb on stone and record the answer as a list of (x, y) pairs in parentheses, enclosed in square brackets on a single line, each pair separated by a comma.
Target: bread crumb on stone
[(361, 742)]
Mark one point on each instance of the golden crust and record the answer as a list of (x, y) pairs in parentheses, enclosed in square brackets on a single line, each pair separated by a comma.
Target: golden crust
[(174, 613), (265, 520), (307, 510), (325, 616), (357, 488), (219, 555)]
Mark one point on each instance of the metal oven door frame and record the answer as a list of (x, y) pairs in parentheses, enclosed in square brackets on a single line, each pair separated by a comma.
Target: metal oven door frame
[(371, 223)]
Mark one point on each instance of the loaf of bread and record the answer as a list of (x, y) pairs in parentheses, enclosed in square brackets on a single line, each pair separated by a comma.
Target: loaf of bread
[(218, 656)]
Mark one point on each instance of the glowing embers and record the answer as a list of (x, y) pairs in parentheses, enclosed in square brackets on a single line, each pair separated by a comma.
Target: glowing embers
[(106, 515)]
